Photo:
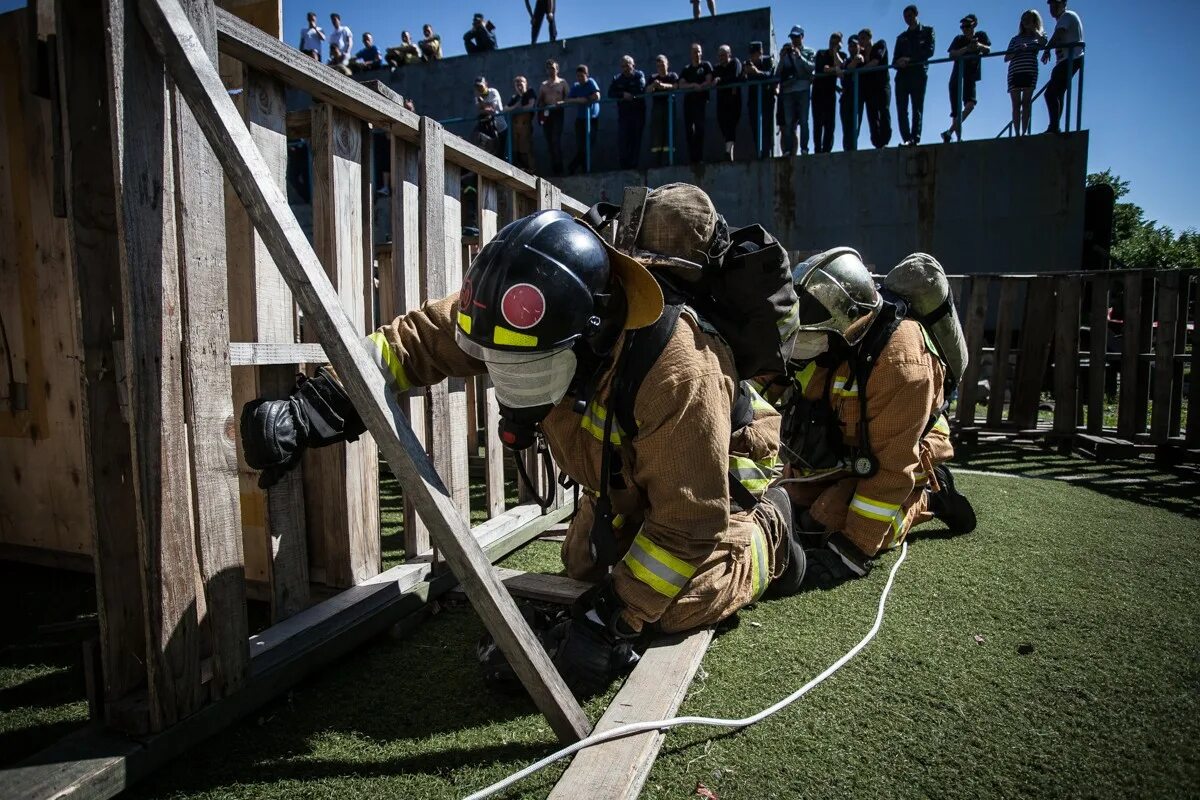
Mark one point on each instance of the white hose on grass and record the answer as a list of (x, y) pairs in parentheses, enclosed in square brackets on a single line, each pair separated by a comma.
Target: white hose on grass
[(666, 724)]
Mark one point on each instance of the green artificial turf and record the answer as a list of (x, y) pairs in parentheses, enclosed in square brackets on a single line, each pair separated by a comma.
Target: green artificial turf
[(1054, 652)]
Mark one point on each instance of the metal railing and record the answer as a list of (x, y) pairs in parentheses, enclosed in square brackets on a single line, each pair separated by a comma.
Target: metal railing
[(761, 87)]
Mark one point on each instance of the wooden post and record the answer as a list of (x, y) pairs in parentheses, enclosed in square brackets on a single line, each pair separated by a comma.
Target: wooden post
[(1166, 317), (1098, 355), (458, 479), (1004, 316), (1037, 331), (341, 483), (92, 217), (1145, 334), (199, 195), (196, 77), (400, 291), (1192, 435), (1127, 424), (489, 208), (146, 225), (1066, 352), (976, 313)]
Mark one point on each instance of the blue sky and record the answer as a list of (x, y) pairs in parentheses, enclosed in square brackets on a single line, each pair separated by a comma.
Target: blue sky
[(1141, 110)]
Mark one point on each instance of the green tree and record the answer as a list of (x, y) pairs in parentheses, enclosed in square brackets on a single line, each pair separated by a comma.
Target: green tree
[(1139, 243)]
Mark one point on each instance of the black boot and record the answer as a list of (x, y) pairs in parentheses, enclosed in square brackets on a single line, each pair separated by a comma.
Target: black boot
[(948, 505), (835, 563), (275, 433), (790, 581)]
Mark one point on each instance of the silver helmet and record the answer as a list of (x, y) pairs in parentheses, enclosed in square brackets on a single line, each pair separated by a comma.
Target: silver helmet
[(837, 294)]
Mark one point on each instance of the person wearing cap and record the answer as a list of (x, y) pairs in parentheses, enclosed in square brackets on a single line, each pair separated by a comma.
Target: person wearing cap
[(966, 50), (1068, 29), (481, 38), (875, 87), (628, 87), (851, 108), (796, 66), (759, 67), (858, 492), (545, 310), (914, 48)]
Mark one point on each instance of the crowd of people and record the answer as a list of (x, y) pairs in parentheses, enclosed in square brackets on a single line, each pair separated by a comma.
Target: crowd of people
[(849, 81)]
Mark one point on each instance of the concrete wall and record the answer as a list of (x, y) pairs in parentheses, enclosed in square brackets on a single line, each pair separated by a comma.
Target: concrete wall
[(997, 205), (445, 89)]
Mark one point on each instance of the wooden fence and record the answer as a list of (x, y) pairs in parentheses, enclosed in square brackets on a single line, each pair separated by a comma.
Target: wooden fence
[(142, 309)]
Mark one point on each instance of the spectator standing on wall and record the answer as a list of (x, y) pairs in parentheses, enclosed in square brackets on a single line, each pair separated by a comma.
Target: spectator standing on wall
[(914, 48), (1022, 61), (520, 111), (697, 76), (431, 45), (368, 57), (1068, 29), (875, 88), (965, 49), (851, 106), (481, 38), (551, 95), (490, 123), (585, 93), (542, 9), (726, 75), (712, 8), (796, 66), (756, 68), (661, 82), (342, 39), (404, 53), (824, 93), (311, 37), (629, 86)]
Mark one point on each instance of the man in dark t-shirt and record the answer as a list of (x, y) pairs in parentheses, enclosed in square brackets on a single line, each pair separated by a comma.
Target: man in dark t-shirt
[(966, 49), (761, 98), (914, 48), (698, 76), (520, 107), (629, 87), (875, 85)]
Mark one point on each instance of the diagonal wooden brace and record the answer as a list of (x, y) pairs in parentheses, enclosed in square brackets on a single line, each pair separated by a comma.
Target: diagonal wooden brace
[(196, 78)]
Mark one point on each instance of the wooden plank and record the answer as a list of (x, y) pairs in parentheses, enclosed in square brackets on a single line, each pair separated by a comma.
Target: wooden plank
[(536, 586), (1098, 354), (1145, 334), (1166, 319), (1131, 319), (493, 485), (341, 482), (208, 401), (108, 464), (976, 315), (248, 354), (196, 77), (617, 770), (1037, 329), (400, 292), (458, 481), (1192, 436), (1005, 312), (1066, 352), (147, 233)]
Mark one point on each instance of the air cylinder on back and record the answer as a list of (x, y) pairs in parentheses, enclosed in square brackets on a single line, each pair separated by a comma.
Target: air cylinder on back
[(920, 280)]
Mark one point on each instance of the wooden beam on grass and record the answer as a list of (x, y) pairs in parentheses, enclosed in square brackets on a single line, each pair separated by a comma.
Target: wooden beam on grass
[(544, 588), (617, 770), (197, 79)]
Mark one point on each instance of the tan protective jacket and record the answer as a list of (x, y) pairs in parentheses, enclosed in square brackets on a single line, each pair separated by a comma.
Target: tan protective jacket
[(904, 390), (675, 468)]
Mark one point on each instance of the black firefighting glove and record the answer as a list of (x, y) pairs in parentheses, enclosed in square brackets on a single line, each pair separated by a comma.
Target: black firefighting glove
[(275, 433), (595, 645), (834, 563)]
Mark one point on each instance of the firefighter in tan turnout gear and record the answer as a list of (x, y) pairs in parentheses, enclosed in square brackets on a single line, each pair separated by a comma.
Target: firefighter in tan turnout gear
[(548, 310), (859, 489)]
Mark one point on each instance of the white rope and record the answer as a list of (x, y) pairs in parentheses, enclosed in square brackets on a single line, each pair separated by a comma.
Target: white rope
[(666, 724)]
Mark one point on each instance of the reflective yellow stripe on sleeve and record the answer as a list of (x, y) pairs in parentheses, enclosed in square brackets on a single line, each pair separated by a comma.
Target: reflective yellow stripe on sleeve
[(805, 375), (873, 509), (754, 475), (757, 403), (942, 425), (593, 419), (386, 356), (760, 570), (655, 567)]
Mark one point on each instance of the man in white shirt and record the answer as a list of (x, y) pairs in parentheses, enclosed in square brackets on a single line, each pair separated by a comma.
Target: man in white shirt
[(311, 37), (342, 39), (1069, 29)]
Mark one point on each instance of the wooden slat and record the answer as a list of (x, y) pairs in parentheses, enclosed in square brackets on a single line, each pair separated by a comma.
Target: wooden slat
[(108, 465), (341, 482), (216, 503), (246, 354), (976, 315), (536, 586), (489, 222), (400, 292), (196, 77), (1145, 334), (1098, 355), (1166, 317), (1130, 369), (1192, 434), (1066, 352), (617, 770), (1005, 312), (1037, 332), (458, 481), (147, 229)]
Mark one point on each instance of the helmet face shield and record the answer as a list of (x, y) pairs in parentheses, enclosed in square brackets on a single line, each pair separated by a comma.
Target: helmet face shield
[(837, 294), (525, 380)]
